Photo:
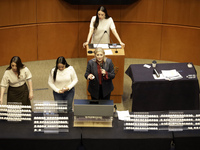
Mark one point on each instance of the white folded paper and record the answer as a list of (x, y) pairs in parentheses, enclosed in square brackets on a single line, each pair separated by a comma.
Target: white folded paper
[(108, 52), (123, 115), (158, 78), (171, 74)]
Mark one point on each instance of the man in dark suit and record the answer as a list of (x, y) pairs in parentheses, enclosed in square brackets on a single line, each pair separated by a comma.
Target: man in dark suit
[(100, 72)]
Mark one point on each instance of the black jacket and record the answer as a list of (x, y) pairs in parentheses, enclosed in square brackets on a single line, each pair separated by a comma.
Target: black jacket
[(107, 85)]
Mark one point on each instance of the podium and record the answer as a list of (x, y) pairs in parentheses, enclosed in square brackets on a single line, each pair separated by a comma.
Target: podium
[(117, 57)]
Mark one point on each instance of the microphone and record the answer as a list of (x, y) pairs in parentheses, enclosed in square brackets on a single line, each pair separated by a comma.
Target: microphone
[(113, 44), (156, 72), (101, 65), (101, 38)]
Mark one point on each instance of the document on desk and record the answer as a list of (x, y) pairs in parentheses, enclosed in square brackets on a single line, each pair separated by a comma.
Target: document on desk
[(158, 78), (171, 74), (115, 46), (101, 45), (108, 52), (123, 115)]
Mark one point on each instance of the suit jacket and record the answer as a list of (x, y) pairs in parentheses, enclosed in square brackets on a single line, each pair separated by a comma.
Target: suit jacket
[(107, 85)]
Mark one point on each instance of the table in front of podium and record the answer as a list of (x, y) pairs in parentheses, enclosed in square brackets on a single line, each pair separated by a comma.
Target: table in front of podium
[(21, 136), (149, 94), (118, 62)]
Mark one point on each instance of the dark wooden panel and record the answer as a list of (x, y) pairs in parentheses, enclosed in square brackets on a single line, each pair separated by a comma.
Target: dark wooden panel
[(55, 11), (100, 2), (87, 11), (59, 39), (112, 37), (142, 40), (182, 12), (181, 44), (18, 41), (13, 12), (143, 11), (83, 33)]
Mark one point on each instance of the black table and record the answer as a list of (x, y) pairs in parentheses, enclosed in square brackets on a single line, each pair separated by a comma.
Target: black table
[(20, 135), (117, 138), (149, 94)]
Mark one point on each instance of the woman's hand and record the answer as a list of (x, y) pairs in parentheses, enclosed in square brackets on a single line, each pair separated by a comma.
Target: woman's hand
[(90, 77), (1, 101), (103, 72), (61, 91), (122, 44), (31, 95), (85, 44), (65, 89)]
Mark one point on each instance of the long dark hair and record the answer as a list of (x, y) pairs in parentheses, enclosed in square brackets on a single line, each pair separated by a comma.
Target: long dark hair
[(101, 8), (61, 60), (18, 62)]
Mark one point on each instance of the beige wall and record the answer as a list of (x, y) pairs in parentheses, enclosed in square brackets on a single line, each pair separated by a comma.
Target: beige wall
[(151, 29)]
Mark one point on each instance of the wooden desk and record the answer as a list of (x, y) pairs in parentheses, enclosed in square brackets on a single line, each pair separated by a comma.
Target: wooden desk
[(118, 81)]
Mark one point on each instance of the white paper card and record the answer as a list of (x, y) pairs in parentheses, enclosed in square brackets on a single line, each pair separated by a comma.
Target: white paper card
[(158, 78), (147, 66), (108, 52), (123, 115)]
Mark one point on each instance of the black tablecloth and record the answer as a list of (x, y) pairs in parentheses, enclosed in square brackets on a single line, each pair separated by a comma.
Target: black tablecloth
[(149, 94), (117, 138), (20, 135)]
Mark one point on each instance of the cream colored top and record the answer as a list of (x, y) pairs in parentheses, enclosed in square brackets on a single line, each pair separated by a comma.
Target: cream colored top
[(65, 78), (10, 78), (104, 25)]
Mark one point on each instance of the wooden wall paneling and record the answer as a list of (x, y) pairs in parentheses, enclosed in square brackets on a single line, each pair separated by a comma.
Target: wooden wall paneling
[(56, 11), (114, 11), (142, 40), (181, 44), (182, 12), (112, 37), (83, 33), (86, 12), (57, 39), (14, 12), (143, 11), (18, 41)]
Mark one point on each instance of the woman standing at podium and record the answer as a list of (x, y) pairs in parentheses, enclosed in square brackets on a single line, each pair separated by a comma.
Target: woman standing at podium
[(100, 72), (15, 78), (100, 26), (62, 80)]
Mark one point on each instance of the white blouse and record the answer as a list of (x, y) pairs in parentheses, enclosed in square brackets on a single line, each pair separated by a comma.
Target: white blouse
[(10, 78), (104, 25), (64, 78)]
